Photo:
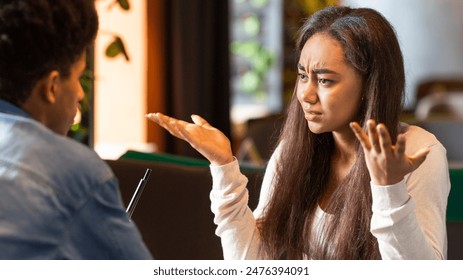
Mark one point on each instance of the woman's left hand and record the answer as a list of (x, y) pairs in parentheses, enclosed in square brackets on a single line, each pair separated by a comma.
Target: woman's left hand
[(387, 163)]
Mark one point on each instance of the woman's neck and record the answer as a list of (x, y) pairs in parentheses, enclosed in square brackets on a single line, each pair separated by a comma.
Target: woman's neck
[(344, 147), (342, 161)]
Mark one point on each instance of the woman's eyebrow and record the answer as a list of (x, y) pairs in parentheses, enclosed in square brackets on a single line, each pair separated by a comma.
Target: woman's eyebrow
[(324, 71), (318, 70)]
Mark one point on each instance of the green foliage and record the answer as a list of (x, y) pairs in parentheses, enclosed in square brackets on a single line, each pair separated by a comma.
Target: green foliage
[(259, 60), (116, 47), (80, 131), (255, 59), (251, 25), (124, 4), (259, 3)]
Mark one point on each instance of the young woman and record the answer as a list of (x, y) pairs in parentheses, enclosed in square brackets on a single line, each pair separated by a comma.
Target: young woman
[(347, 187)]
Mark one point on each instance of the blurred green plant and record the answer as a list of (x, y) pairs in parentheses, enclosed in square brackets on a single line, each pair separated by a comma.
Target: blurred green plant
[(257, 59), (259, 3), (116, 48), (80, 131), (124, 4)]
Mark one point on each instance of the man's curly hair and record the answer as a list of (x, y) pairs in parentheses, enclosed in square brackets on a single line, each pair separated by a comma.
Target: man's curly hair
[(39, 36)]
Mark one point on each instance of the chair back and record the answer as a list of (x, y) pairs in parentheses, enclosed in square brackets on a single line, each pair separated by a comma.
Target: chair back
[(173, 213)]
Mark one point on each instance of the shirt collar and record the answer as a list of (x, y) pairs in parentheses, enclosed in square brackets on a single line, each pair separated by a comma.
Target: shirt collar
[(9, 108)]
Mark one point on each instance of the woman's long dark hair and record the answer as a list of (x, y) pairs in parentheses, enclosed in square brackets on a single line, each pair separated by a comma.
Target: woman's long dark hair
[(371, 48)]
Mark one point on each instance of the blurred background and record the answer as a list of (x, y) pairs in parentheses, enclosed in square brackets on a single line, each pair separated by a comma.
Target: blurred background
[(232, 62)]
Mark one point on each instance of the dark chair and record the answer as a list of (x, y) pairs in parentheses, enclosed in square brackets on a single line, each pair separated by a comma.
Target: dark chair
[(455, 216), (260, 138), (173, 213), (450, 134), (431, 86), (174, 216), (439, 110), (455, 240), (439, 99)]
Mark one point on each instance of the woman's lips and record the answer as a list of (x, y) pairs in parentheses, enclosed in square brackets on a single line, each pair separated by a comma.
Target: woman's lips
[(312, 115)]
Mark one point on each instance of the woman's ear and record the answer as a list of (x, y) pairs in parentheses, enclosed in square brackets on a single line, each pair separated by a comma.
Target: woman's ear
[(48, 86)]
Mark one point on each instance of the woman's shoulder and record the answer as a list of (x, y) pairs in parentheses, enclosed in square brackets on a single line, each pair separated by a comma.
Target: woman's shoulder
[(417, 137)]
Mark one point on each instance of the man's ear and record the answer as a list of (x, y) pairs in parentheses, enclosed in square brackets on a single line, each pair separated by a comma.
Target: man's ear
[(49, 86)]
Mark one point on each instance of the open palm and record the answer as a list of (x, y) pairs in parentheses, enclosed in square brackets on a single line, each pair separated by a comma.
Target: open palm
[(206, 139)]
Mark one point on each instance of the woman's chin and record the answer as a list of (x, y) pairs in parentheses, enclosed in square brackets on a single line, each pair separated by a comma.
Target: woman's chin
[(315, 128)]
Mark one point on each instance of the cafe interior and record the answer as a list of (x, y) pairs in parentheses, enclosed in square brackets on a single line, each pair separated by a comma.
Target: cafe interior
[(233, 63)]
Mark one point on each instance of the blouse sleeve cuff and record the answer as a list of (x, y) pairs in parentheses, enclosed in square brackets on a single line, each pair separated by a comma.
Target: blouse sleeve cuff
[(390, 196), (224, 176)]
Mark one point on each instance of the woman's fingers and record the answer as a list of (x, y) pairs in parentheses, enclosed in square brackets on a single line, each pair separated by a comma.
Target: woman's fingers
[(378, 137), (173, 126), (387, 163), (361, 135), (400, 145), (200, 121), (152, 117), (373, 135), (385, 141), (156, 118), (418, 158), (207, 140)]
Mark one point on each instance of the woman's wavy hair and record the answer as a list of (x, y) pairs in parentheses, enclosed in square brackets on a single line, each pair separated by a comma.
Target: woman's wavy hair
[(39, 36), (371, 47)]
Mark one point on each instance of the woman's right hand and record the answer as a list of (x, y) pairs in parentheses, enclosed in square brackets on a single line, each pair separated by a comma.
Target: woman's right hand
[(387, 163), (206, 139)]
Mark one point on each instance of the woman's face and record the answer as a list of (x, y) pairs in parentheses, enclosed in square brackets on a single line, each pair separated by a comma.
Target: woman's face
[(328, 89)]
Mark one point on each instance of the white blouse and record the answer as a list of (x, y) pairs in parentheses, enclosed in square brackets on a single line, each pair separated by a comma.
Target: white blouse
[(408, 217)]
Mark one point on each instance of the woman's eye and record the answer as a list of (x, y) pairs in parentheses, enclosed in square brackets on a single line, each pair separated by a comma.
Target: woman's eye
[(324, 82), (302, 76)]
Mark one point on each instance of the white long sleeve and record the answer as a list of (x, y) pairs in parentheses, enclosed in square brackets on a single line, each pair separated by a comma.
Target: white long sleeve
[(236, 224), (409, 217)]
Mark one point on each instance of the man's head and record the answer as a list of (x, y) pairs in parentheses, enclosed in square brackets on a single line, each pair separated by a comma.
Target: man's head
[(42, 45)]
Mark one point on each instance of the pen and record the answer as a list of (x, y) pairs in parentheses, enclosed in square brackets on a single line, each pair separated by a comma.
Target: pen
[(138, 191)]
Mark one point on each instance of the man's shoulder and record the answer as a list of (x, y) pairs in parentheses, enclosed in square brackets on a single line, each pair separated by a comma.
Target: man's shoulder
[(81, 161), (47, 154), (35, 158)]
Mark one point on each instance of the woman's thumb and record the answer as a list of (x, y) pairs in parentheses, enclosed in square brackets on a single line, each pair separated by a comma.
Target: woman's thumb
[(200, 121)]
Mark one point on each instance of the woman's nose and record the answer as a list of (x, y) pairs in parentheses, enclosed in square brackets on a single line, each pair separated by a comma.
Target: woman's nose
[(309, 94)]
